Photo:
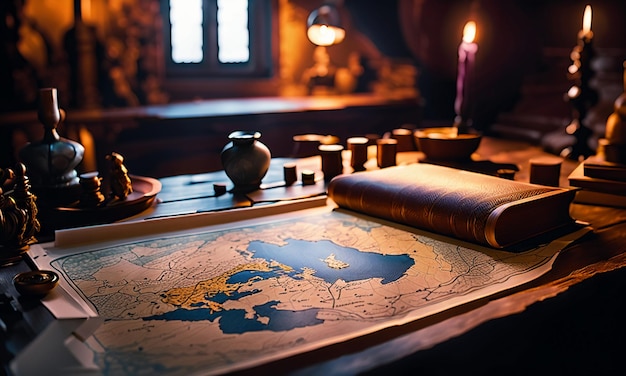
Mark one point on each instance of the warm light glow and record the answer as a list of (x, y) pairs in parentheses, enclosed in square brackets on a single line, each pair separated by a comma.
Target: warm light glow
[(573, 92), (85, 7), (469, 32), (587, 19), (324, 35)]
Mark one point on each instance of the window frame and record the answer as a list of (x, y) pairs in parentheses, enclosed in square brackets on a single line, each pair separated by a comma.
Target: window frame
[(210, 78)]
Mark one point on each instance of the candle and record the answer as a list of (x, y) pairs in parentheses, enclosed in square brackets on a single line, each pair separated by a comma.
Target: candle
[(586, 34), (582, 52), (467, 52)]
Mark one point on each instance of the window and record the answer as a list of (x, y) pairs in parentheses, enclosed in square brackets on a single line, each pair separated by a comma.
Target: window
[(186, 31), (218, 38), (233, 35)]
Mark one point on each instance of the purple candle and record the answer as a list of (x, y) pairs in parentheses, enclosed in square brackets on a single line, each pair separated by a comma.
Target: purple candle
[(467, 54)]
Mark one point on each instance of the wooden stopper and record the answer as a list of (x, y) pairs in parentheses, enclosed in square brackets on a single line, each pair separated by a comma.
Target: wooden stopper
[(545, 171), (371, 138), (289, 173), (332, 162), (308, 177), (358, 152), (219, 189), (386, 149), (305, 145), (405, 139)]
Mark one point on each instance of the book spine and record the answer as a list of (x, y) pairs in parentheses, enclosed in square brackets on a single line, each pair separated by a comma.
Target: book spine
[(413, 206), (470, 207), (606, 174)]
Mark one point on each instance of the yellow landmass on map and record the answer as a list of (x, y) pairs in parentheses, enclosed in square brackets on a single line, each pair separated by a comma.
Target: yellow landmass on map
[(332, 262), (201, 292)]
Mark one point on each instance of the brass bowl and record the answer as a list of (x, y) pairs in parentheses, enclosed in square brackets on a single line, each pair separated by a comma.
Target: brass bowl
[(35, 282), (443, 143)]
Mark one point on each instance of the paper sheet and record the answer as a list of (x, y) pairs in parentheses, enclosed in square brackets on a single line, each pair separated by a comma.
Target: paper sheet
[(226, 297)]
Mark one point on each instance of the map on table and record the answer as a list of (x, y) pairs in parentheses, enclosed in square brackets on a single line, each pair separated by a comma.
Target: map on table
[(220, 300)]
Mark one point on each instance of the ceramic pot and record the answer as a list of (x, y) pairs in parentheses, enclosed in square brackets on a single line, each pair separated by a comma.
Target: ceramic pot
[(245, 160)]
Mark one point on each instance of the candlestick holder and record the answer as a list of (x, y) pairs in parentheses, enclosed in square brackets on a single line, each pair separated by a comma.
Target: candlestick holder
[(582, 97), (51, 161)]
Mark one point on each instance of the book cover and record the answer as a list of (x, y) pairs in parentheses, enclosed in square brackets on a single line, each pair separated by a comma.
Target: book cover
[(585, 196), (577, 178), (597, 167), (469, 206)]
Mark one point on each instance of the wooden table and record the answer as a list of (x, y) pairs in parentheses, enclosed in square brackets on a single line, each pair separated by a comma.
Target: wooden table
[(568, 321)]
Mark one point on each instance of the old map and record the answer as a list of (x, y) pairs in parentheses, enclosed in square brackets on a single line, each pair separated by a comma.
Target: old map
[(220, 300)]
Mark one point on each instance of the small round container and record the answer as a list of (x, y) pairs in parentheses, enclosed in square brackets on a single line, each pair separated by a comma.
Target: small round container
[(35, 282), (445, 143)]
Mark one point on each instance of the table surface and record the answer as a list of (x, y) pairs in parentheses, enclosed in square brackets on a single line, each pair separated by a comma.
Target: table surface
[(208, 108), (567, 320)]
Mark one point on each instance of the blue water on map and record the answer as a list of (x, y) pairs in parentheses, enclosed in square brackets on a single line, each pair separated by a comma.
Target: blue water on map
[(234, 321), (299, 255), (247, 275), (222, 297)]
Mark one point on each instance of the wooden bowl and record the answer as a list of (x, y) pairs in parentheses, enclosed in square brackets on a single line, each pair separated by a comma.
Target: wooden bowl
[(444, 143)]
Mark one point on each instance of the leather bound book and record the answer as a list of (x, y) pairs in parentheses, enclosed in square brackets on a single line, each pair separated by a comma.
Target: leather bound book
[(465, 205), (597, 167), (578, 178)]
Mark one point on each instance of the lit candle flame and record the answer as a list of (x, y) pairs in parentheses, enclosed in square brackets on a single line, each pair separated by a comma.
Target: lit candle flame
[(587, 20), (469, 32)]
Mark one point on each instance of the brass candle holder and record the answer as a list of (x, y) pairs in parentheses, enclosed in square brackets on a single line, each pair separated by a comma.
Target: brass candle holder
[(581, 96)]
